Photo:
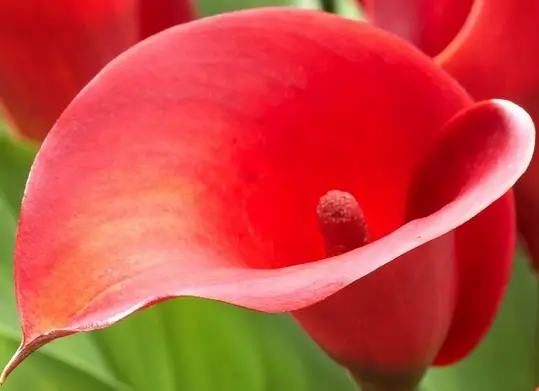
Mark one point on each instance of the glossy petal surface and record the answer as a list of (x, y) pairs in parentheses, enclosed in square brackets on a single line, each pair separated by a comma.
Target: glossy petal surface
[(51, 49), (429, 24), (253, 116)]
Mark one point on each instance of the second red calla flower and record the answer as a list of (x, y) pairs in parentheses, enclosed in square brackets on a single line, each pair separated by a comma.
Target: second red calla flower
[(204, 162), (490, 47), (51, 49)]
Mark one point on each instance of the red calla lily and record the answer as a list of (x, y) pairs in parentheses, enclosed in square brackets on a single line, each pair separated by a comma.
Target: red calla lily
[(51, 49), (194, 164), (494, 55)]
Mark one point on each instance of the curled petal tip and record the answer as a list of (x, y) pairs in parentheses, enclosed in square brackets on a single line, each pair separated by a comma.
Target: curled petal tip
[(21, 353), (517, 111), (520, 121), (27, 348)]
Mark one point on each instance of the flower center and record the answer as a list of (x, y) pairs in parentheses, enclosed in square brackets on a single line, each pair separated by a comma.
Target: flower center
[(342, 222)]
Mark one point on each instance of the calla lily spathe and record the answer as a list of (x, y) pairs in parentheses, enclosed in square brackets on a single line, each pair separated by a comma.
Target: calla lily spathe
[(194, 163)]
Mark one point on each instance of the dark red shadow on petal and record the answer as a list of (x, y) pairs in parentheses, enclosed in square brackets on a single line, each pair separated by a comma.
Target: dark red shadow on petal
[(158, 15), (192, 166)]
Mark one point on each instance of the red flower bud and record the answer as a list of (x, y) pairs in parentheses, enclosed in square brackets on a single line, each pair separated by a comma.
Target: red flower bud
[(51, 49), (279, 160)]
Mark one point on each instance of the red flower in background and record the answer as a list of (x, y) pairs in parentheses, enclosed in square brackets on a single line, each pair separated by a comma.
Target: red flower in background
[(491, 48), (430, 25), (199, 164), (51, 49)]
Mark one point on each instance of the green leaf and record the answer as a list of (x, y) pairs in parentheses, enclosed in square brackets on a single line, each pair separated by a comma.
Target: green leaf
[(349, 9), (3, 126), (505, 359), (15, 161), (212, 7), (307, 4), (202, 345), (346, 8), (43, 373)]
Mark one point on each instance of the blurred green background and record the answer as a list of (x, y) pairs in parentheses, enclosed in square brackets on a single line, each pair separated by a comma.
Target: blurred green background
[(199, 345)]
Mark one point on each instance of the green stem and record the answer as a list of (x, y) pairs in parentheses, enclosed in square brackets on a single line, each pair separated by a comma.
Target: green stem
[(537, 333), (391, 382), (328, 6)]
